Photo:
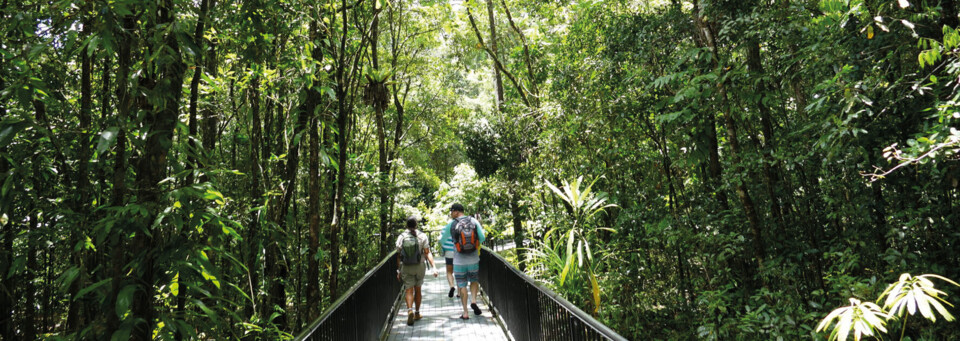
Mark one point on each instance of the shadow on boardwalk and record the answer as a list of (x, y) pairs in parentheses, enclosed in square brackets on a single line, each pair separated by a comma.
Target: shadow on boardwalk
[(441, 316)]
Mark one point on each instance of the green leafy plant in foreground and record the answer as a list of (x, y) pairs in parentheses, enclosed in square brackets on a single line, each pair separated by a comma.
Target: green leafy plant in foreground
[(581, 205), (909, 294)]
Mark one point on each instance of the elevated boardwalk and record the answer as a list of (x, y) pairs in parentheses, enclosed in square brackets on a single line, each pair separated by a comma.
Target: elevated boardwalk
[(372, 310), (441, 316)]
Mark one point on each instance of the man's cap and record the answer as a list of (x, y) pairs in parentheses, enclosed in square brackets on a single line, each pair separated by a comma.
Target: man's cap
[(457, 207)]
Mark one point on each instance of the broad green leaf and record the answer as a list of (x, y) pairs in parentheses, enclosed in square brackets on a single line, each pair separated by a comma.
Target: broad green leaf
[(212, 315), (18, 266), (596, 292), (92, 287), (122, 334), (68, 277), (175, 285), (125, 299), (9, 128)]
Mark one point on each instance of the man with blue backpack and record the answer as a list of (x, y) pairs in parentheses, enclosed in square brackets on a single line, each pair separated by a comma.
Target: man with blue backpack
[(466, 234), (413, 247)]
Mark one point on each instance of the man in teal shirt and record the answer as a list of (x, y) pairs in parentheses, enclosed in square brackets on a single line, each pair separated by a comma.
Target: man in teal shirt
[(466, 266)]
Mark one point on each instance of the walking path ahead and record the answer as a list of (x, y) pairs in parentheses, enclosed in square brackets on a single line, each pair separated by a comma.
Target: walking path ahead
[(441, 316)]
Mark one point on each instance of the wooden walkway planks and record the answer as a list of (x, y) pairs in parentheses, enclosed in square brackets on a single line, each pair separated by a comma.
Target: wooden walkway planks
[(441, 316)]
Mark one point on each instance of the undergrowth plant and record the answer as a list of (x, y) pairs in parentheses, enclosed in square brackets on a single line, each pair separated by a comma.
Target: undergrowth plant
[(909, 294)]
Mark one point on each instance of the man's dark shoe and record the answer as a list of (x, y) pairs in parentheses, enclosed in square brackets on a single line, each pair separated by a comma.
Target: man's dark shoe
[(476, 309), (450, 294), (410, 318)]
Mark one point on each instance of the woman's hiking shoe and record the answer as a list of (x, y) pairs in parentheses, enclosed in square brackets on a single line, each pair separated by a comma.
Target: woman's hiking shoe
[(417, 316), (410, 317), (450, 294), (476, 309)]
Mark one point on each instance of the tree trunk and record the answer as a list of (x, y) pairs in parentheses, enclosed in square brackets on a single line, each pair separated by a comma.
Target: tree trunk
[(713, 146), (210, 116), (194, 97), (344, 113), (6, 230), (192, 128), (75, 314), (330, 188), (878, 209), (313, 266), (769, 172), (517, 217), (379, 107), (497, 80), (124, 106), (86, 106), (105, 112), (277, 266), (337, 214), (151, 169), (733, 139), (30, 313), (253, 248), (7, 285), (384, 181), (313, 184)]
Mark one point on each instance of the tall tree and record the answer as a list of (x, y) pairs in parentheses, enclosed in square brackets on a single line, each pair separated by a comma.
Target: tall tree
[(161, 119)]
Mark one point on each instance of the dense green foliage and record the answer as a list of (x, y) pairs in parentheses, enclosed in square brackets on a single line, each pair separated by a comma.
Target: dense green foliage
[(201, 169)]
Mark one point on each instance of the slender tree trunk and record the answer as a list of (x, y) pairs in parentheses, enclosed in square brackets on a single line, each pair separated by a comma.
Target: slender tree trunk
[(105, 112), (124, 105), (497, 80), (210, 116), (878, 210), (769, 172), (313, 184), (732, 137), (194, 98), (516, 215), (531, 79), (330, 188), (192, 137), (30, 312), (86, 106), (7, 286), (710, 133), (254, 248), (384, 177), (380, 106), (344, 113), (151, 169), (75, 315), (313, 265), (280, 270), (6, 230), (395, 151), (337, 214), (48, 305)]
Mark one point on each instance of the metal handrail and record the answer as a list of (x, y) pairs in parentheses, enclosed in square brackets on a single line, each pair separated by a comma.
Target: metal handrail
[(532, 311), (361, 312)]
